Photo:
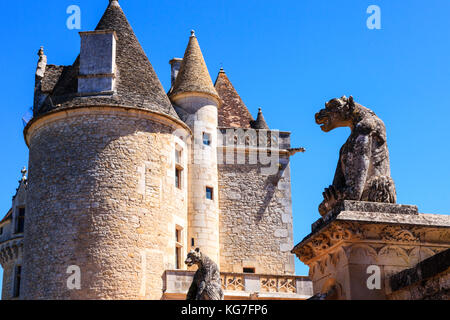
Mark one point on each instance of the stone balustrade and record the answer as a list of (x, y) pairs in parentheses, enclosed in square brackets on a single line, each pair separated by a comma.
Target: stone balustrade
[(242, 285)]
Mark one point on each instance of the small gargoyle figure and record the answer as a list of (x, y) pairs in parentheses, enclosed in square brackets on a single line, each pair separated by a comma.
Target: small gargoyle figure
[(363, 171), (206, 284)]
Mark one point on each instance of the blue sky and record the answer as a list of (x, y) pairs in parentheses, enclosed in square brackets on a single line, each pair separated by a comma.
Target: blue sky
[(287, 57)]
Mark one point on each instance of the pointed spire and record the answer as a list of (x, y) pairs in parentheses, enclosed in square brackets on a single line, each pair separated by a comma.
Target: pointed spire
[(114, 3), (42, 64), (260, 122), (193, 76), (232, 112), (137, 84), (24, 174), (137, 79)]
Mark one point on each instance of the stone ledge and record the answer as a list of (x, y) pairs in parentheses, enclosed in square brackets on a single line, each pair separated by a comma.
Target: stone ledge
[(431, 220), (422, 271), (362, 207)]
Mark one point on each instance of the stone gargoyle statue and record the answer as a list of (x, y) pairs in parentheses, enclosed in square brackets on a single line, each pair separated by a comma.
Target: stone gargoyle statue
[(206, 284), (363, 171)]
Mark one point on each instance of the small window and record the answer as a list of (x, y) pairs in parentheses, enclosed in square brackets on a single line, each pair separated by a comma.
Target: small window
[(178, 156), (20, 221), (178, 177), (17, 278), (192, 242), (209, 193), (206, 139), (1, 231), (178, 247), (249, 270)]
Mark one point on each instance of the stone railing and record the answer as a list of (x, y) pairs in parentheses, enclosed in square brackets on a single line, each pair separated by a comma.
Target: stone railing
[(243, 285)]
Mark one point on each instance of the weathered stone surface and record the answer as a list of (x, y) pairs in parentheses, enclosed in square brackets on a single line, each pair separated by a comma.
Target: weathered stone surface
[(102, 197), (424, 271), (363, 171), (250, 228), (11, 241), (372, 210), (340, 250)]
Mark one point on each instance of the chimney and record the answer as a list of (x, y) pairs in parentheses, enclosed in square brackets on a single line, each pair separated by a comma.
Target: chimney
[(175, 64), (97, 62)]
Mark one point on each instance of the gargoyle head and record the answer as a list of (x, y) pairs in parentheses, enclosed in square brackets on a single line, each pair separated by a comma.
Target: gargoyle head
[(337, 113), (193, 257)]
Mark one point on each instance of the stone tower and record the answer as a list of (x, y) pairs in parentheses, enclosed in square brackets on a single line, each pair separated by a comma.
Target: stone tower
[(101, 161), (193, 92)]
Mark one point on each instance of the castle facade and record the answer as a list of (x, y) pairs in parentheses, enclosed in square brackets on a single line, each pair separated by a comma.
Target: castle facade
[(125, 179)]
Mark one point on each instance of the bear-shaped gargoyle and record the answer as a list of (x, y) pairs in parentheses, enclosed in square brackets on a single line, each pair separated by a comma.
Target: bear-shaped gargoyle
[(206, 284), (363, 171)]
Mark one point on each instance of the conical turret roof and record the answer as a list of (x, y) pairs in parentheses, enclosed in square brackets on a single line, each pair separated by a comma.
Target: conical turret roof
[(137, 84), (193, 76), (232, 113), (260, 122)]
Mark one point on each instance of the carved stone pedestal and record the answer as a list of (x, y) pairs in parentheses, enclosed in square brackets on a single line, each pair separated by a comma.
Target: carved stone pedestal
[(362, 244)]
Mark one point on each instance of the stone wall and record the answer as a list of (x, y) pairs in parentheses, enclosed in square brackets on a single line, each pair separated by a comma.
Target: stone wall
[(7, 284), (11, 242), (102, 196), (428, 280), (255, 219)]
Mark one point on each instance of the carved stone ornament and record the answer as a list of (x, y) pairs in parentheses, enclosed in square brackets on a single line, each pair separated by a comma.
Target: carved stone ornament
[(363, 171)]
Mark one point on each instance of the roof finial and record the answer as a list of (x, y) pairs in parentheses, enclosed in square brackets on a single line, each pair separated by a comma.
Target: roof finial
[(192, 33), (114, 3), (24, 172), (42, 64), (260, 122)]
